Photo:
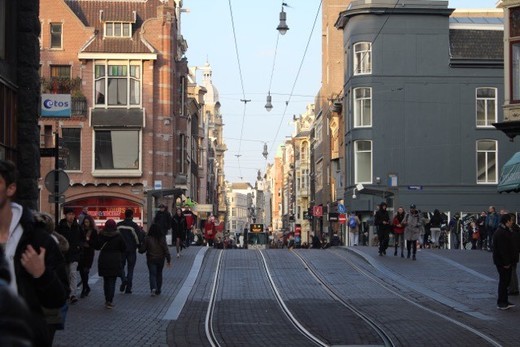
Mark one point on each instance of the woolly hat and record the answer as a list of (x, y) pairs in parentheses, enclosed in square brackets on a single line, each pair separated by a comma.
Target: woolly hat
[(110, 225)]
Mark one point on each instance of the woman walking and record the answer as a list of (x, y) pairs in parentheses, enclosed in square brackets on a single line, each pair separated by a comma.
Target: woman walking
[(88, 237), (412, 232), (398, 227), (156, 252), (111, 246), (178, 230)]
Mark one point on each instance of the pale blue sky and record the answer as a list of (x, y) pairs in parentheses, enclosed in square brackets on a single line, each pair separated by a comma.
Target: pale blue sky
[(208, 30)]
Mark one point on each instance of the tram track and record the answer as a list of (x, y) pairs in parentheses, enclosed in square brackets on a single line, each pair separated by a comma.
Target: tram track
[(312, 269)]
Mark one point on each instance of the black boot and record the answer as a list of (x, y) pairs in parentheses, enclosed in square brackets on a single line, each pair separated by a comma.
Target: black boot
[(413, 257), (408, 256), (395, 252)]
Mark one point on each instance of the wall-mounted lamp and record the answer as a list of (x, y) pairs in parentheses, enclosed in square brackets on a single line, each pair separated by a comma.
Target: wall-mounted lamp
[(268, 104), (282, 27), (167, 120)]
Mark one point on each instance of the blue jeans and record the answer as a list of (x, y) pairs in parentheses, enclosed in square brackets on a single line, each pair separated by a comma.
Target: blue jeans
[(130, 259), (155, 269), (109, 287)]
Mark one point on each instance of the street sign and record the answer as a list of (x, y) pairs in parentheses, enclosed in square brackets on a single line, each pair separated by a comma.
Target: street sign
[(256, 228), (317, 211), (342, 219), (47, 152), (415, 187), (63, 178), (342, 208), (56, 199)]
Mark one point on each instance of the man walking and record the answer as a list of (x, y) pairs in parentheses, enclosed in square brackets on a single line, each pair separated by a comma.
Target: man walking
[(69, 228), (384, 225), (492, 220), (133, 237), (504, 257)]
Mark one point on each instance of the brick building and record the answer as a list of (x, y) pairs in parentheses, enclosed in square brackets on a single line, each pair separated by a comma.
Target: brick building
[(123, 64)]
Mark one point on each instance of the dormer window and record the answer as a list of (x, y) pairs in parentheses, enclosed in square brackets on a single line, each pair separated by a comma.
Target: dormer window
[(118, 29)]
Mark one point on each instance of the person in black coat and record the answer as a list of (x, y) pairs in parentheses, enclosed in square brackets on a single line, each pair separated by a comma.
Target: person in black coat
[(88, 240), (112, 247), (133, 237), (505, 255), (69, 228), (163, 219), (384, 226), (178, 230)]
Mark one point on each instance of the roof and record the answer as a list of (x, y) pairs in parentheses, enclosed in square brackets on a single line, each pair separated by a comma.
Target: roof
[(476, 44), (510, 178), (96, 13)]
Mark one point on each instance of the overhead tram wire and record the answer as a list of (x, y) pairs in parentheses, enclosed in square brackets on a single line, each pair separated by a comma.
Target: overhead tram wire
[(244, 100), (297, 75)]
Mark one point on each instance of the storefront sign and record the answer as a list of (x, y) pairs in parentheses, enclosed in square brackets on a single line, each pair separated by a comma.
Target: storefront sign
[(56, 105)]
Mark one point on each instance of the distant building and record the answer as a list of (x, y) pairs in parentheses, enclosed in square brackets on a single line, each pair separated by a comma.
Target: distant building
[(423, 86), (129, 137)]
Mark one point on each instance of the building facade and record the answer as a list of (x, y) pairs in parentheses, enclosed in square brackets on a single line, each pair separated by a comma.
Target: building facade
[(422, 89), (127, 140)]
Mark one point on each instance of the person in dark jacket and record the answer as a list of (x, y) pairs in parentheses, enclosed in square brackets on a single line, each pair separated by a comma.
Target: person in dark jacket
[(492, 220), (435, 228), (163, 219), (384, 226), (133, 237), (88, 241), (69, 228), (513, 285), (178, 230), (35, 262), (505, 255), (111, 245), (15, 324), (156, 252)]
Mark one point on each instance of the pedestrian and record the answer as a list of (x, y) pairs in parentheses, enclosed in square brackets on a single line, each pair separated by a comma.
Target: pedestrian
[(34, 259), (209, 232), (435, 228), (112, 247), (15, 327), (454, 227), (481, 224), (69, 228), (178, 230), (156, 252), (353, 229), (191, 220), (384, 226), (504, 257), (474, 234), (89, 235), (398, 226), (413, 225), (513, 285), (492, 221), (163, 219), (133, 237)]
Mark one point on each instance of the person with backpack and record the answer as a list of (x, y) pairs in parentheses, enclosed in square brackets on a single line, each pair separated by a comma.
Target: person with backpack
[(133, 237), (353, 229), (157, 252)]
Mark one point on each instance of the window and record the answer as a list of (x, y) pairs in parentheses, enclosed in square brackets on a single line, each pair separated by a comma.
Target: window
[(72, 144), (117, 85), (117, 150), (486, 107), (56, 35), (60, 71), (304, 151), (362, 58), (515, 72), (362, 107), (118, 29), (363, 162), (318, 183), (486, 161)]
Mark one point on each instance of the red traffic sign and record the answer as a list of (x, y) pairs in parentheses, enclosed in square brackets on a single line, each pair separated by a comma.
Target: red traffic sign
[(342, 219), (317, 211)]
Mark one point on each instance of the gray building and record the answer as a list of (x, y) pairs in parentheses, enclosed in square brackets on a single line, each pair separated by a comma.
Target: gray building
[(423, 86)]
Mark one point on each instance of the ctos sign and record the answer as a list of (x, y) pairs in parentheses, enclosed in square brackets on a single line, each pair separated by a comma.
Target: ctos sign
[(56, 105)]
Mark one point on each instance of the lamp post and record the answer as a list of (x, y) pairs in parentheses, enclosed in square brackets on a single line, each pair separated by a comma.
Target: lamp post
[(282, 27)]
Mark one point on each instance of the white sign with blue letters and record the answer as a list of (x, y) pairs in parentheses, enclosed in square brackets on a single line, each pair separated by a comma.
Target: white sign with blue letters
[(56, 105)]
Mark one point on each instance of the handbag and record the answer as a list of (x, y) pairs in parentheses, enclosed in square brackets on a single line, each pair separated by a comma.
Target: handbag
[(475, 235)]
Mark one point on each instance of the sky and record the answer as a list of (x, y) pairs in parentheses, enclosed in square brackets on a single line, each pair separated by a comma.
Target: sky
[(249, 58)]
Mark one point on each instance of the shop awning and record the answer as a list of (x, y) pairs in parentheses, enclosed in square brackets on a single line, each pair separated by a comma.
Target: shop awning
[(510, 177)]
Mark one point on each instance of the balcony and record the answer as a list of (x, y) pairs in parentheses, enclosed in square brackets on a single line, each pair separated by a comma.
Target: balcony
[(79, 106)]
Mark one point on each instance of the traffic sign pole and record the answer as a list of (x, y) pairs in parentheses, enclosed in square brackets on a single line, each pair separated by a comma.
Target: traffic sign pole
[(56, 177)]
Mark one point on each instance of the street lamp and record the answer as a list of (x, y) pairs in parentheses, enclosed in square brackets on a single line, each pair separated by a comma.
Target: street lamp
[(269, 105), (282, 27)]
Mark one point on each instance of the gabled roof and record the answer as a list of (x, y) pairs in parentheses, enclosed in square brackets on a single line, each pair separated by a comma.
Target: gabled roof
[(476, 44), (96, 13)]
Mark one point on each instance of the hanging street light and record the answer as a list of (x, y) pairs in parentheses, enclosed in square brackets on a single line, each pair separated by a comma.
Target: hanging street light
[(282, 27), (265, 153), (268, 104)]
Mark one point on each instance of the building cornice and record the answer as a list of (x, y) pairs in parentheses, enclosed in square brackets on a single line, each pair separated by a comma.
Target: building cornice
[(116, 56)]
